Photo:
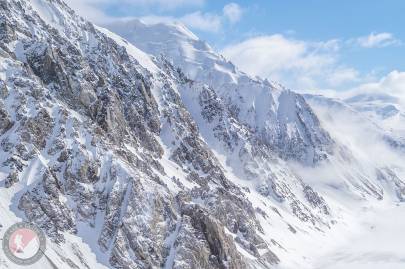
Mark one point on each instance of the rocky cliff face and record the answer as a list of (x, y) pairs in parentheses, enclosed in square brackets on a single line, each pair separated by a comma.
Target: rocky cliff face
[(81, 126), (275, 117), (149, 162)]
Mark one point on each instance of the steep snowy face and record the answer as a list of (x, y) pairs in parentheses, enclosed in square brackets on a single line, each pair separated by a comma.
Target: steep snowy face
[(278, 118), (271, 143), (98, 149), (252, 125), (117, 155)]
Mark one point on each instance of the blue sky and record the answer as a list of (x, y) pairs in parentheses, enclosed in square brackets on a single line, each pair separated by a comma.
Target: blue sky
[(335, 44)]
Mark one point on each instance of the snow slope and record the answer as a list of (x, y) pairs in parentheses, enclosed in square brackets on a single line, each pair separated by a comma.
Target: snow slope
[(355, 186)]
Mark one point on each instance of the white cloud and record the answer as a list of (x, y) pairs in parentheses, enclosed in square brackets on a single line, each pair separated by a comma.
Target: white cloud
[(392, 84), (298, 64), (233, 12), (342, 75), (377, 40), (202, 21), (93, 9), (198, 20), (165, 4)]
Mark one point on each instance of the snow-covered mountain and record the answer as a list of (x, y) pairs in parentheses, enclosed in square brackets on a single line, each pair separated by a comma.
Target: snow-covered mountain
[(141, 147), (278, 117)]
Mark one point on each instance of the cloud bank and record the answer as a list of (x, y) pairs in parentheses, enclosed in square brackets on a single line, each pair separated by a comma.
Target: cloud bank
[(296, 63)]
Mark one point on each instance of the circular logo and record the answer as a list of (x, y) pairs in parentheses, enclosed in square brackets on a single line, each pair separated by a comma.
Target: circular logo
[(24, 243)]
